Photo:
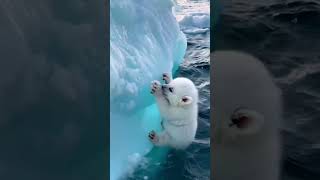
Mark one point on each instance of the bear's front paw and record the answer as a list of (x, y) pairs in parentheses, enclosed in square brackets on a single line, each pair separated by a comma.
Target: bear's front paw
[(166, 77), (155, 87), (153, 137)]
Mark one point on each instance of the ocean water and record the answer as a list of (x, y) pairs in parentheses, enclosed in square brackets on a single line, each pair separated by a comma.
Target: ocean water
[(284, 34), (194, 162)]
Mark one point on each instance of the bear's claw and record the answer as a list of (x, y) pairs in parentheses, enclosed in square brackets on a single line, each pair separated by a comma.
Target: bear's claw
[(153, 137), (155, 86), (166, 77)]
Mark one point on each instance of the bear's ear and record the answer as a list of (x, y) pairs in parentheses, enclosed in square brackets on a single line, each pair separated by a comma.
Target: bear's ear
[(186, 100), (246, 121)]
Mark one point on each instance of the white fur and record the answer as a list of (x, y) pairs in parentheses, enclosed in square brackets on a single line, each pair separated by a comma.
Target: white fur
[(179, 118), (243, 87)]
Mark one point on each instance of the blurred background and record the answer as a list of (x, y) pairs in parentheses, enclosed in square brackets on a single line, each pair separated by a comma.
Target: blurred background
[(284, 35), (53, 90)]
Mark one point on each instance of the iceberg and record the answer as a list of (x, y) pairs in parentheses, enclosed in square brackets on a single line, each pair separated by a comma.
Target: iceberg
[(145, 41)]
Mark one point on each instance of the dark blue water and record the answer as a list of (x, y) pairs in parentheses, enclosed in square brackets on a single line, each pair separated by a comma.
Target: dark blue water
[(284, 34)]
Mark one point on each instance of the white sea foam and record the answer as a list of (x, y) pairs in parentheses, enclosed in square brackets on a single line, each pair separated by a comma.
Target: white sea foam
[(197, 20)]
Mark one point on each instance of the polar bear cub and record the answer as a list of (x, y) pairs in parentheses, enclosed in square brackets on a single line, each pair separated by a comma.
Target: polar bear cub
[(177, 100)]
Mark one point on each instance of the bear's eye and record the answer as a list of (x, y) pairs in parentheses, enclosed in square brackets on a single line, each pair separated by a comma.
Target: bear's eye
[(240, 118), (171, 89)]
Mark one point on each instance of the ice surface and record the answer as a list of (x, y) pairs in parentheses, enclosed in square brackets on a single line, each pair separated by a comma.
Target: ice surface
[(145, 41)]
